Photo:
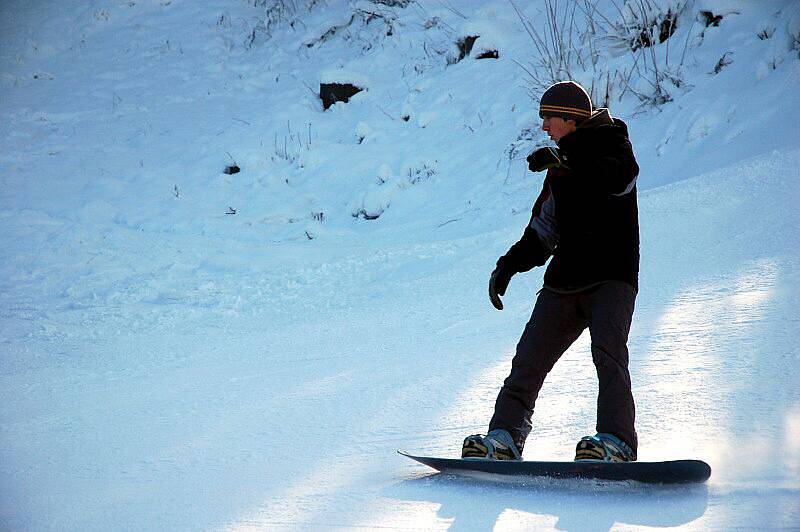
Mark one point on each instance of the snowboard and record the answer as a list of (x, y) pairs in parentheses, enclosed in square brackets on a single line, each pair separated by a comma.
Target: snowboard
[(669, 472)]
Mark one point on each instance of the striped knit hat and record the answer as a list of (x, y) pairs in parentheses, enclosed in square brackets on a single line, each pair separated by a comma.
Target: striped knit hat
[(567, 100)]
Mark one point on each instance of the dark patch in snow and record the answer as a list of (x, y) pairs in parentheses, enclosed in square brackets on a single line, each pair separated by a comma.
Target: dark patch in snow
[(710, 19), (465, 45), (330, 93), (361, 213), (489, 54)]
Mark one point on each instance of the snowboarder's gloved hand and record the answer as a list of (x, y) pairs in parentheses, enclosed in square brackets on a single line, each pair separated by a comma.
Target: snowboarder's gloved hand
[(545, 158), (498, 283)]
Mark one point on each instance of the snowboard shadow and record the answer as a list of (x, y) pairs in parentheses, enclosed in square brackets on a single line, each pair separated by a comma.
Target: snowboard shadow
[(473, 504)]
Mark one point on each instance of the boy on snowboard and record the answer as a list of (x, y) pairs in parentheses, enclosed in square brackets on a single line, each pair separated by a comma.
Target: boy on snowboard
[(586, 218)]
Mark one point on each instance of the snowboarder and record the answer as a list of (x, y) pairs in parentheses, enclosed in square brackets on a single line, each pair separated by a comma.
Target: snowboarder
[(586, 218)]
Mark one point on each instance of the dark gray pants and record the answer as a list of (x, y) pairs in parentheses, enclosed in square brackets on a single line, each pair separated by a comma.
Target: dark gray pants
[(557, 321)]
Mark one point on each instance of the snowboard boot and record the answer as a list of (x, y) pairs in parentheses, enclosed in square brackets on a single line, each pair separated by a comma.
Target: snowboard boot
[(605, 448), (497, 445)]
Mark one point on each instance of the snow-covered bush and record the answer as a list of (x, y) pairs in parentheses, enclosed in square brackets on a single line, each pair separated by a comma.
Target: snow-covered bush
[(393, 3), (576, 40), (794, 33), (368, 23), (277, 13), (643, 22), (480, 39)]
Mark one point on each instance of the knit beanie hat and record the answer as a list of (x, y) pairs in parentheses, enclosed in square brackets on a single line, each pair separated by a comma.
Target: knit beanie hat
[(567, 100)]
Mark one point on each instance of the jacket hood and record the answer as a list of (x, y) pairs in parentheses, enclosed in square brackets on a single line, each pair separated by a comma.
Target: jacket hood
[(600, 117)]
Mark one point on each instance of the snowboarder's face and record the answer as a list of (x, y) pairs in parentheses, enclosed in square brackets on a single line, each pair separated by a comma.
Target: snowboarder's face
[(557, 127)]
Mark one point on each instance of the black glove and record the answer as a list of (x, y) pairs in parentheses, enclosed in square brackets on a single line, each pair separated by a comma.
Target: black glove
[(498, 283), (544, 158)]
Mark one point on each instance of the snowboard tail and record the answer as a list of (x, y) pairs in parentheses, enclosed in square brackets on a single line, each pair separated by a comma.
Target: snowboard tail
[(669, 472)]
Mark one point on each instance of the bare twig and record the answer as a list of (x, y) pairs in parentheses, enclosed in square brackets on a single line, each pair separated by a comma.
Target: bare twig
[(447, 5), (384, 112)]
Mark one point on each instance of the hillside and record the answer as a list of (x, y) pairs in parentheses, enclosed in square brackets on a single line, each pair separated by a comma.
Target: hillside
[(183, 348)]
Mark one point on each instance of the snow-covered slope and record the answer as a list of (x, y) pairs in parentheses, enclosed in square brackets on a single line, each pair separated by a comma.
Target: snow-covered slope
[(166, 363)]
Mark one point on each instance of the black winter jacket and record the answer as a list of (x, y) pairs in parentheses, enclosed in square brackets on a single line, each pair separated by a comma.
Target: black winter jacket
[(586, 215)]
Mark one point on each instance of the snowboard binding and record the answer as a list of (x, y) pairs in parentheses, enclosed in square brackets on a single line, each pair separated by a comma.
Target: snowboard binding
[(497, 445), (605, 448)]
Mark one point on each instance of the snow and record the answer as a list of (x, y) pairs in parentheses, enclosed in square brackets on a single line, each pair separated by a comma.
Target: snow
[(342, 76), (167, 365)]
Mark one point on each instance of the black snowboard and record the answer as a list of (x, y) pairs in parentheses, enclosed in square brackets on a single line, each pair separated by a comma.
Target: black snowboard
[(671, 472)]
